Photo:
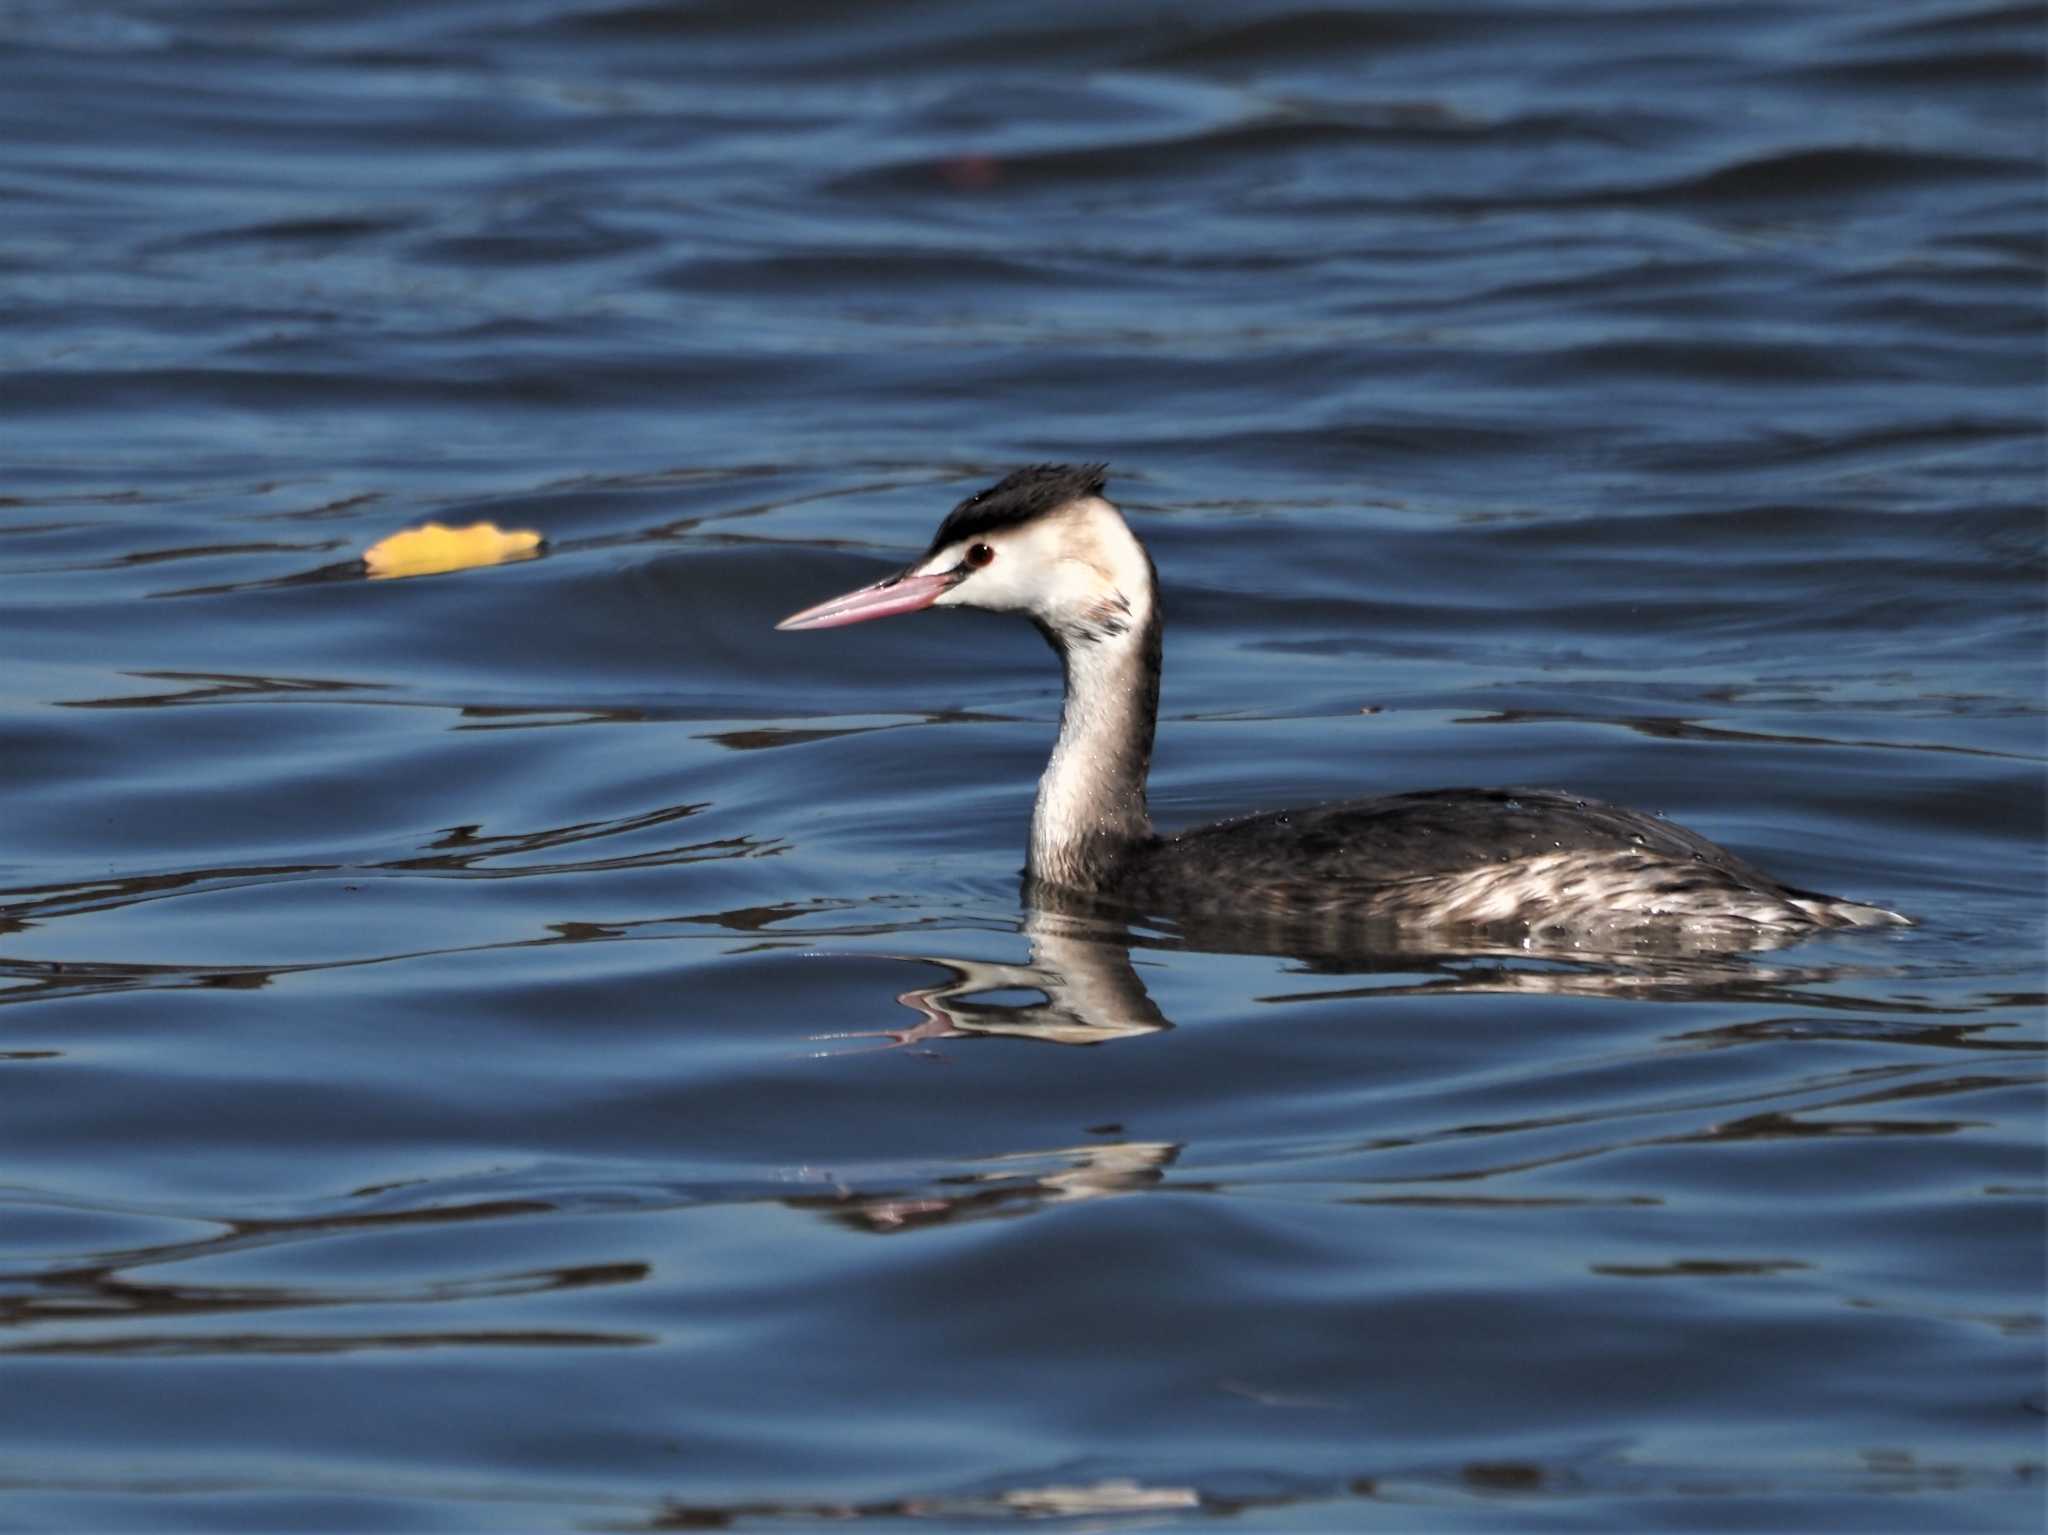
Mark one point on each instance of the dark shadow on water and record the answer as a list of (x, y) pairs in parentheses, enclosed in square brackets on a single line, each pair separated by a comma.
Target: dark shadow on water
[(1674, 728), (218, 687)]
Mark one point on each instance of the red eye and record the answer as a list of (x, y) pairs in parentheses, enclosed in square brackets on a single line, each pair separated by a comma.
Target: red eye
[(979, 555)]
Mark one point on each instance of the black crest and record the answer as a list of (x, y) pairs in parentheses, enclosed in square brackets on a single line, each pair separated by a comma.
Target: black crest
[(1019, 497)]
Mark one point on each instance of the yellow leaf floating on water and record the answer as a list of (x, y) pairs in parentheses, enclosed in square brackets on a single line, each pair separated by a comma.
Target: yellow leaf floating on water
[(435, 548)]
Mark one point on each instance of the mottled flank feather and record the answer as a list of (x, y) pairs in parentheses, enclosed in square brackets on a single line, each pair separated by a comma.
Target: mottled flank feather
[(1537, 859)]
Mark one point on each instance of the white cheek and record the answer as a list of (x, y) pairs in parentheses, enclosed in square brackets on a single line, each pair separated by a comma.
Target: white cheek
[(996, 585), (1071, 587), (1039, 568)]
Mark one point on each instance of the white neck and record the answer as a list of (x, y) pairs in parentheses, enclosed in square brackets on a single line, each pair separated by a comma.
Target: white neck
[(1091, 800), (1081, 575)]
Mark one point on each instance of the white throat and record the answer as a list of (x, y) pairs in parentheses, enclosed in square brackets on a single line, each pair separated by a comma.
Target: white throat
[(1091, 799)]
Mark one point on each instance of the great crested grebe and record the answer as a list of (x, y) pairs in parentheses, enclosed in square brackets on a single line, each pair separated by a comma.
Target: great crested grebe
[(1046, 543)]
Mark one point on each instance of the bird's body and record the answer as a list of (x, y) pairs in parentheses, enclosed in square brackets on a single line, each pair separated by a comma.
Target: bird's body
[(1045, 542)]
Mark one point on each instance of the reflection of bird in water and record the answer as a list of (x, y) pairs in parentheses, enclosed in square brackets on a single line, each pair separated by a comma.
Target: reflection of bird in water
[(1044, 542), (1091, 992), (1015, 1183)]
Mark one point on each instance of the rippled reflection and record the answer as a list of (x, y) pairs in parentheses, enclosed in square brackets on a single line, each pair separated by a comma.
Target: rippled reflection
[(1091, 991), (1019, 1183), (220, 687), (1494, 1492), (1673, 728), (121, 1308)]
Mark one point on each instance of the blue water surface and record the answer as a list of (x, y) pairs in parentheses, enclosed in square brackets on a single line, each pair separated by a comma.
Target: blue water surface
[(535, 1048)]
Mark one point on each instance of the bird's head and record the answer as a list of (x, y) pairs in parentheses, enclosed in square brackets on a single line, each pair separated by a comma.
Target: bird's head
[(1044, 542)]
